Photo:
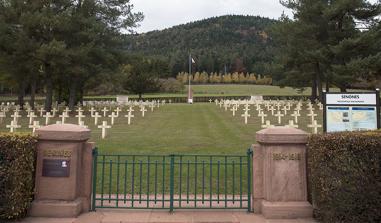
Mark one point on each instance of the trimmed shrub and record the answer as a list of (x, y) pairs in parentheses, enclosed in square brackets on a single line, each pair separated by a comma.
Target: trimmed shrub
[(345, 176), (17, 169)]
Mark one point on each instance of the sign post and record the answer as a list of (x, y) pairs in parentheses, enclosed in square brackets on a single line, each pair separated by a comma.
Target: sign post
[(356, 111)]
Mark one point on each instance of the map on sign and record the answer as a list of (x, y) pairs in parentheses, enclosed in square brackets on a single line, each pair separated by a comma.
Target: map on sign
[(338, 119), (364, 118), (348, 118)]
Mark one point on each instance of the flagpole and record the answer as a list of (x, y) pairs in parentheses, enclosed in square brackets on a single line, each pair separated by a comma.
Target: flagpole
[(189, 76)]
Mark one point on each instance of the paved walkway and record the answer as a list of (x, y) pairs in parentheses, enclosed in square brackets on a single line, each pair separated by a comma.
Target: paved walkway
[(153, 216)]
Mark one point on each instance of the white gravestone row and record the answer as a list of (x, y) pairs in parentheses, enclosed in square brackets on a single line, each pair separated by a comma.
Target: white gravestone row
[(109, 111), (283, 111)]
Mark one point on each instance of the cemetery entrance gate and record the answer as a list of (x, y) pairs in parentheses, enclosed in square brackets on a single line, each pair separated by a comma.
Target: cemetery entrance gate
[(172, 181)]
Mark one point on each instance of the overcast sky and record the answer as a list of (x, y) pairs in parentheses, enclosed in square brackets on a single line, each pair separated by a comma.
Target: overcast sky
[(161, 14)]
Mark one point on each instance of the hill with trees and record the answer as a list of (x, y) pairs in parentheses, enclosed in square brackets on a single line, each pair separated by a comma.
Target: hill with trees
[(231, 43)]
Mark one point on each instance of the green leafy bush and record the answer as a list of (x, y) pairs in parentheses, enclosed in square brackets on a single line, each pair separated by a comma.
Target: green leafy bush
[(345, 176), (17, 169)]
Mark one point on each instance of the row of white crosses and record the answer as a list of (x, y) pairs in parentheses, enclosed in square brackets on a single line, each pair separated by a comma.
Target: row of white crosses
[(277, 108), (80, 115)]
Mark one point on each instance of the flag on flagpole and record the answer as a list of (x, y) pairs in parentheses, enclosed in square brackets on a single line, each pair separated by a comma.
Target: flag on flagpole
[(193, 60)]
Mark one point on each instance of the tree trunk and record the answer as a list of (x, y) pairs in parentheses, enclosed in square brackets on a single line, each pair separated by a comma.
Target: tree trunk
[(59, 94), (33, 92), (72, 94), (21, 94), (140, 96), (327, 84), (81, 94), (314, 87), (49, 88)]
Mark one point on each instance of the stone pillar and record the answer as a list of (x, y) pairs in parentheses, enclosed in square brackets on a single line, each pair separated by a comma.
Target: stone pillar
[(63, 172), (280, 174)]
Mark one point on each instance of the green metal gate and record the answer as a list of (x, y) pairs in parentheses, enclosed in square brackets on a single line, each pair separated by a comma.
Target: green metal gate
[(172, 181)]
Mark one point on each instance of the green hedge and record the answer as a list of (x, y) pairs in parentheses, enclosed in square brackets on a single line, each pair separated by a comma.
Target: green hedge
[(345, 176), (17, 169)]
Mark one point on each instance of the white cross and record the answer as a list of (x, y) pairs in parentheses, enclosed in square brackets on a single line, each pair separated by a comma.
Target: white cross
[(320, 106), (130, 109), (279, 116), (245, 115), (210, 100), (105, 110), (220, 103), (117, 110), (285, 110), (295, 115), (15, 117), (80, 116), (63, 117), (41, 111), (79, 110), (312, 115), (129, 116), (262, 115), (36, 125), (47, 117), (54, 110), (92, 110), (315, 126), (291, 124), (234, 109), (267, 125), (13, 126), (2, 115), (96, 116), (272, 109), (143, 109), (31, 117), (112, 116), (67, 110), (104, 126)]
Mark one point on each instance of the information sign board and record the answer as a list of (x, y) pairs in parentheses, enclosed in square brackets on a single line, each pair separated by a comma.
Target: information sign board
[(351, 111)]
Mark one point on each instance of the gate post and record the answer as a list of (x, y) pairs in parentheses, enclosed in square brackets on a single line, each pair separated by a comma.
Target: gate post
[(280, 174), (63, 171)]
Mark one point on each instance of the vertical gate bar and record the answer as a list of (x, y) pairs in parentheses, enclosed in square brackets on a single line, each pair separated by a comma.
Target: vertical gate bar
[(188, 183), (156, 181), (226, 181), (140, 180), (95, 165), (125, 180), (249, 153), (181, 173), (163, 186), (103, 178), (171, 184), (195, 181), (218, 182), (148, 178), (133, 182), (117, 181), (110, 183), (233, 181), (240, 182), (203, 181), (210, 180)]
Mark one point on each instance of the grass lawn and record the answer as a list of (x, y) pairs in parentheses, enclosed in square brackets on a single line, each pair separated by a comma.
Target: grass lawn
[(200, 129), (176, 128)]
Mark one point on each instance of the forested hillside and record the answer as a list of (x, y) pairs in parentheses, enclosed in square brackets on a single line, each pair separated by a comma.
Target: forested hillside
[(228, 43)]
